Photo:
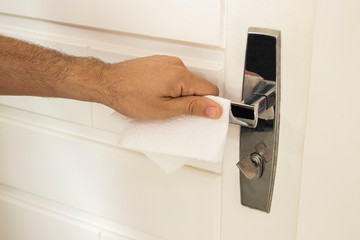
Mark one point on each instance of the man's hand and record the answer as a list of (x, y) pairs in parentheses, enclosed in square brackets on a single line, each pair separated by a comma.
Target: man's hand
[(157, 87)]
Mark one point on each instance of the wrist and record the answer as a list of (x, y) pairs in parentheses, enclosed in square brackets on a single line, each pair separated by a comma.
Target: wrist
[(84, 81)]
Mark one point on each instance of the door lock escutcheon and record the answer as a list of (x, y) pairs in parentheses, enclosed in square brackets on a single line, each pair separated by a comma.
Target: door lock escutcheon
[(259, 116)]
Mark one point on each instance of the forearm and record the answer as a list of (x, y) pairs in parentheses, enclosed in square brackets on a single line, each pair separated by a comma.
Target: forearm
[(27, 69)]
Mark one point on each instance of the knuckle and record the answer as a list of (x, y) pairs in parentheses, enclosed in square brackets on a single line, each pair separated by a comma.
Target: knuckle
[(192, 107), (176, 60), (177, 73), (216, 91)]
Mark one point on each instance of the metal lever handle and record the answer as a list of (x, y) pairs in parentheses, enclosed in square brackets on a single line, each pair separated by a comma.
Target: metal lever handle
[(248, 111)]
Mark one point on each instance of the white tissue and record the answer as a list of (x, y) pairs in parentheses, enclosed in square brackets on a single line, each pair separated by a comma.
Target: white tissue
[(172, 142)]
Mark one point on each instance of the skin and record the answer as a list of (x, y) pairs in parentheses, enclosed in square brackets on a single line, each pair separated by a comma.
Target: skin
[(155, 87)]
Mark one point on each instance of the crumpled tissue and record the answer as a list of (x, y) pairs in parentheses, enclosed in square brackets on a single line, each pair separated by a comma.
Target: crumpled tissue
[(172, 142)]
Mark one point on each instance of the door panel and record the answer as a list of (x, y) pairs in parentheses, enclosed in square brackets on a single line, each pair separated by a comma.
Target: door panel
[(18, 222), (64, 109), (119, 186), (197, 21)]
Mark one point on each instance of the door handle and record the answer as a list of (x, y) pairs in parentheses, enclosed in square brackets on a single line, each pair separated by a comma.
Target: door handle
[(259, 116), (248, 111)]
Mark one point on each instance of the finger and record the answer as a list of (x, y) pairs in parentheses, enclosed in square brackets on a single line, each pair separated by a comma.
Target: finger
[(194, 85), (195, 105)]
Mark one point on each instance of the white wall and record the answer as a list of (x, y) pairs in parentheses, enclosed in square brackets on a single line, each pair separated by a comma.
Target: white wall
[(330, 192)]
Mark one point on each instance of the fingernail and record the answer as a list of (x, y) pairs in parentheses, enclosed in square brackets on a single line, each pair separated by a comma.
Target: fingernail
[(212, 112)]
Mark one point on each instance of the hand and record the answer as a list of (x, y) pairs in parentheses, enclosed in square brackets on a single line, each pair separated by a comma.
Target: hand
[(157, 87)]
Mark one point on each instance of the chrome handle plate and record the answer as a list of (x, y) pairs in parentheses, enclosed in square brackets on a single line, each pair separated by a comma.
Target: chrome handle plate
[(259, 115)]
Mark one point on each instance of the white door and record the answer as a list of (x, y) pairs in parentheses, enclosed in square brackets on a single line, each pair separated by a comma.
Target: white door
[(62, 177)]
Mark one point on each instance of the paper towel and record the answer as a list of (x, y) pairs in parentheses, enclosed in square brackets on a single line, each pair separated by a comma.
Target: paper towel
[(172, 142)]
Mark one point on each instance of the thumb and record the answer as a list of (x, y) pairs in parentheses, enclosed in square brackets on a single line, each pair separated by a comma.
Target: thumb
[(197, 106)]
